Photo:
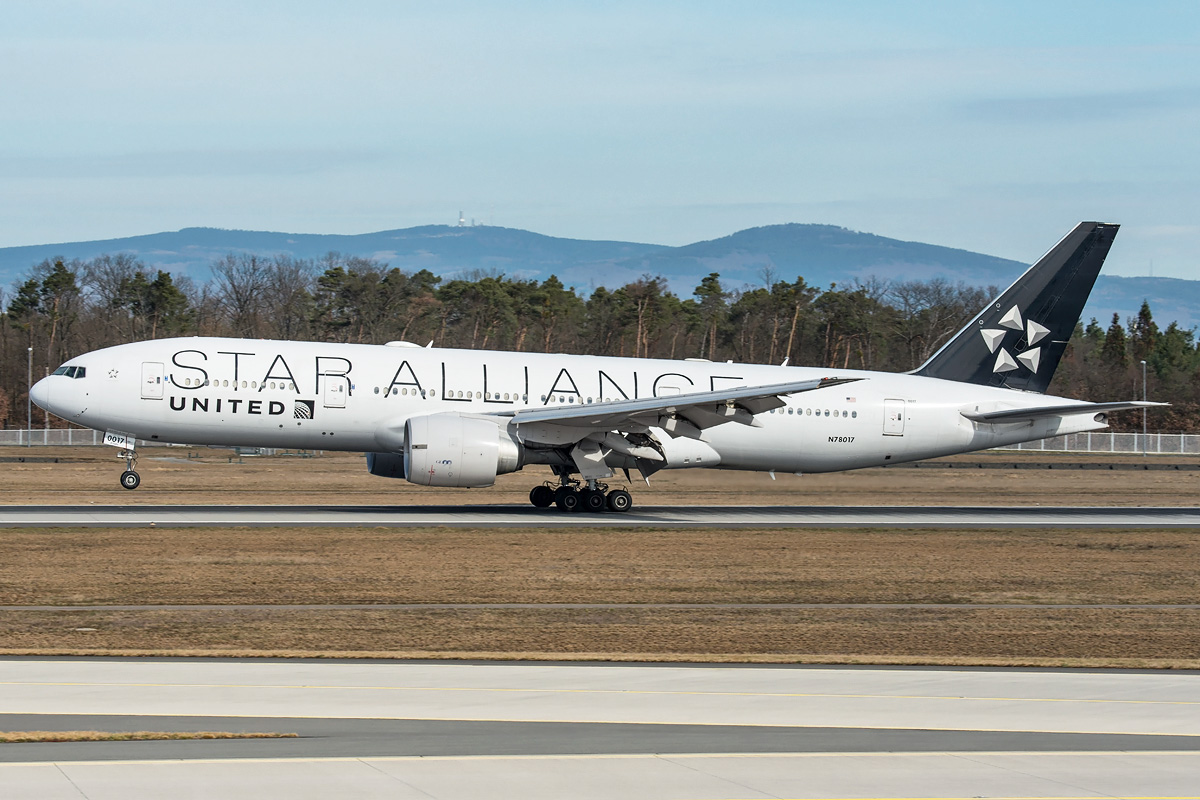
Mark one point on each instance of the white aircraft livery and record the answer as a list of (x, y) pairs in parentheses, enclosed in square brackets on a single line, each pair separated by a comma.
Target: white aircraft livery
[(440, 417)]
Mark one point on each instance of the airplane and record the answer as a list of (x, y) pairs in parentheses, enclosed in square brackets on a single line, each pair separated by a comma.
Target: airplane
[(459, 418)]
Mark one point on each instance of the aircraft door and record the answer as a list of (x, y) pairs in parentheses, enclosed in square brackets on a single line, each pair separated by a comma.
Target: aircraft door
[(153, 385), (893, 417), (336, 389)]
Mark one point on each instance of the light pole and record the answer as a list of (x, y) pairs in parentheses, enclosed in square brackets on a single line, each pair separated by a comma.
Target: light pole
[(29, 401), (1143, 409)]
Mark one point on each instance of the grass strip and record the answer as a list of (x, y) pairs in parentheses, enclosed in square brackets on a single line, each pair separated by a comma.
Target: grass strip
[(19, 737), (827, 659)]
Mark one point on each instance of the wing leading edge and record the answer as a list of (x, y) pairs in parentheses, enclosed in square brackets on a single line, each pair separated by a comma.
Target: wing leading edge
[(681, 414)]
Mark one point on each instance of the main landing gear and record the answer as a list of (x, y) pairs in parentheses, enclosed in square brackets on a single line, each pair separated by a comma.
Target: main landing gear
[(129, 478), (592, 496)]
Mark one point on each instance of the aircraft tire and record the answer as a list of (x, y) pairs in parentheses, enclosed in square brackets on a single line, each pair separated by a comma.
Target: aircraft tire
[(567, 499), (593, 501), (130, 479), (619, 500), (541, 496)]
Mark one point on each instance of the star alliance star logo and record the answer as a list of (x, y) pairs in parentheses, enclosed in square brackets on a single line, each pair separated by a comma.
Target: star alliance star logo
[(994, 339)]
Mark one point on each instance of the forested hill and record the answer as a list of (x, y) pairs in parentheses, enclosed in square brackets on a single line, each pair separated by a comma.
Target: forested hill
[(821, 254)]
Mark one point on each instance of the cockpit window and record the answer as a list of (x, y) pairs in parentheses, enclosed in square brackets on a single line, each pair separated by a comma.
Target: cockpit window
[(60, 371), (80, 372), (71, 372)]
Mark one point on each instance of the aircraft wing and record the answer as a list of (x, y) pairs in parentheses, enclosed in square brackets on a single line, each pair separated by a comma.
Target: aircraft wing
[(1027, 414), (680, 414)]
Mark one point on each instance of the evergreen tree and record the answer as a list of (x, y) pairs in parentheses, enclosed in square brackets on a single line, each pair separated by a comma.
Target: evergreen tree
[(1115, 350)]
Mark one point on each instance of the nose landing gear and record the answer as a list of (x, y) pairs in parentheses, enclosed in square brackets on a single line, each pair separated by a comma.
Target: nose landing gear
[(593, 497), (129, 478)]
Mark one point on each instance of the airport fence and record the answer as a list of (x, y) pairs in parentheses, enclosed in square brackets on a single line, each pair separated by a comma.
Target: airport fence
[(53, 437), (1111, 442), (1093, 442)]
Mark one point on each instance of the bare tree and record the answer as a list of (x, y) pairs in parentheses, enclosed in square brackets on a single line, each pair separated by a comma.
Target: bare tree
[(239, 282)]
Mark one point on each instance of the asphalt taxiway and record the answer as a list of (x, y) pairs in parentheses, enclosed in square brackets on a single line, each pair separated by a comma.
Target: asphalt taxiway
[(450, 730), (657, 516)]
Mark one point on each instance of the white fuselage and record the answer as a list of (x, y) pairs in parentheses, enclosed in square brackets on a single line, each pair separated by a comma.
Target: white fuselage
[(262, 393)]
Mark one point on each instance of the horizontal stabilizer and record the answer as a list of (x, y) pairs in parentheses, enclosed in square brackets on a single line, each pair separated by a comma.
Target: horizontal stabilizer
[(1027, 414)]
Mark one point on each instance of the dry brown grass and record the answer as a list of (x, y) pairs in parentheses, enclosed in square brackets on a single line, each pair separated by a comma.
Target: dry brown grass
[(909, 634), (169, 476), (322, 567), (463, 566)]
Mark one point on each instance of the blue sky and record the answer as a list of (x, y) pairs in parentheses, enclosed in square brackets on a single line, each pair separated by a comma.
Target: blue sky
[(984, 125)]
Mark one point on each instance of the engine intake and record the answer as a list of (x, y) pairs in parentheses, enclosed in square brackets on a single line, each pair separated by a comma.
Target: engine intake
[(453, 450)]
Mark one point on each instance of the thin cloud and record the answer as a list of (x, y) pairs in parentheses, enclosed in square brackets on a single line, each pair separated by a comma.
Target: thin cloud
[(1083, 107), (185, 163)]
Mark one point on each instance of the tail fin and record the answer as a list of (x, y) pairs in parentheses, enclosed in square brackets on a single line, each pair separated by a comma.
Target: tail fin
[(1018, 340)]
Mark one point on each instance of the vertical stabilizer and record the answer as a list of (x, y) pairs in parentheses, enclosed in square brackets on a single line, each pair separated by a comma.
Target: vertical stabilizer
[(1018, 340)]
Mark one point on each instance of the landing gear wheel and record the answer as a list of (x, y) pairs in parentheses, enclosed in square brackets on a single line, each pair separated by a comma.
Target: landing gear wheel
[(566, 498), (541, 496), (619, 500), (593, 500), (130, 479)]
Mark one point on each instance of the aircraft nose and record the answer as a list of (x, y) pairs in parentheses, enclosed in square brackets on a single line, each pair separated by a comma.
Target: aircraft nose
[(39, 393)]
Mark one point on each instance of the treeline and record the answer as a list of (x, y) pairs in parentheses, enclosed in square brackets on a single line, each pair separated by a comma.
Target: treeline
[(63, 309)]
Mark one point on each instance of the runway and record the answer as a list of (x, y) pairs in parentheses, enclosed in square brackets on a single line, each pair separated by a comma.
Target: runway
[(456, 730), (524, 516)]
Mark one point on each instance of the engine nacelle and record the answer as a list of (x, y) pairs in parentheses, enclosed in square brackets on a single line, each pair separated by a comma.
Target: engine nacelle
[(452, 450)]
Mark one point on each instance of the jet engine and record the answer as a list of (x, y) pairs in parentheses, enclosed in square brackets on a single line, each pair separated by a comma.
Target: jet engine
[(453, 450)]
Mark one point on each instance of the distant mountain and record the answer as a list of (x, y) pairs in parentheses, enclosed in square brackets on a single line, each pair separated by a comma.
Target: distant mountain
[(442, 249), (1171, 300), (821, 254)]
